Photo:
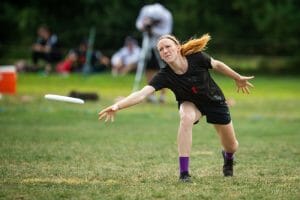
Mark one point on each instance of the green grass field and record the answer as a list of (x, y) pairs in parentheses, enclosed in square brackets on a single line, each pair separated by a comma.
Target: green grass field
[(56, 150)]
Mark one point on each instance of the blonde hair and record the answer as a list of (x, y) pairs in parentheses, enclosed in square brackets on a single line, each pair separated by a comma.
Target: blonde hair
[(192, 45)]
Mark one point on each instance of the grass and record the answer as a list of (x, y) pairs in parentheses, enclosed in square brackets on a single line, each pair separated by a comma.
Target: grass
[(53, 150)]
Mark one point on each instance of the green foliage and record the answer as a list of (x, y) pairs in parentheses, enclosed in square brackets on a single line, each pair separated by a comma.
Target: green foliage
[(252, 27), (276, 21), (261, 23)]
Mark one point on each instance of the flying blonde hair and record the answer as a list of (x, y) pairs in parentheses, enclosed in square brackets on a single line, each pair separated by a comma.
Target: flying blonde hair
[(191, 46)]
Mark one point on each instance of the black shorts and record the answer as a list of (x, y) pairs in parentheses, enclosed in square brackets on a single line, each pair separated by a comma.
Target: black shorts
[(217, 113)]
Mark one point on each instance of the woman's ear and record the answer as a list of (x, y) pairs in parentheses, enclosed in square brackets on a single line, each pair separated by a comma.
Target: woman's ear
[(178, 48)]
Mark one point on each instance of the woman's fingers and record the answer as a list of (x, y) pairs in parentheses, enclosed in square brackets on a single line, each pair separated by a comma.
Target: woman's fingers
[(101, 116), (243, 84), (247, 90), (249, 84), (112, 118), (108, 115), (107, 118), (248, 78), (103, 111), (243, 89)]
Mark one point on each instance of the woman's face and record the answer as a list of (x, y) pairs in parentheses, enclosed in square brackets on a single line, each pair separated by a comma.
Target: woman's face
[(168, 50)]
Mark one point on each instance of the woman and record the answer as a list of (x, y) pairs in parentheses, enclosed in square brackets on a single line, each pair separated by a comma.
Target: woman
[(186, 74)]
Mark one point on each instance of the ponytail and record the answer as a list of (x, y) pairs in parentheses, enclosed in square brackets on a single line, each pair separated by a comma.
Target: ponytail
[(191, 46), (195, 45)]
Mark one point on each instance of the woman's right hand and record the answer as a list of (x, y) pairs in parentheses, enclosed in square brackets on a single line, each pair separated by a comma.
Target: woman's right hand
[(108, 113), (133, 99)]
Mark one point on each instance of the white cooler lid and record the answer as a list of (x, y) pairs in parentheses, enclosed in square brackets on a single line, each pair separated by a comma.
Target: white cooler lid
[(7, 68)]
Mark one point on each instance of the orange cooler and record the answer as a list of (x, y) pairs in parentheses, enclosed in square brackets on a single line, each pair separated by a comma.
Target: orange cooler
[(8, 79)]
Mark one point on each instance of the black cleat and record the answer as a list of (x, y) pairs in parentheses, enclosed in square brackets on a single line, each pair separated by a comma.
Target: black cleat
[(228, 165), (185, 177)]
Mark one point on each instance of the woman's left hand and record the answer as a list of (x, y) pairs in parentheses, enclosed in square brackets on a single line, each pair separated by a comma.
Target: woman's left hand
[(243, 84)]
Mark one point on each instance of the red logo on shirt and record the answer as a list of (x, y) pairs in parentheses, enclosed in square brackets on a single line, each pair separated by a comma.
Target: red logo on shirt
[(194, 90)]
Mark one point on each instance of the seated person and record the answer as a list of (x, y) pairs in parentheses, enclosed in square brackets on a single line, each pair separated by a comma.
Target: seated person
[(125, 59), (99, 62), (46, 48), (66, 66)]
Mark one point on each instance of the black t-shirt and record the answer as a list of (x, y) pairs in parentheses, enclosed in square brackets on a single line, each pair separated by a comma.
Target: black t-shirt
[(195, 85)]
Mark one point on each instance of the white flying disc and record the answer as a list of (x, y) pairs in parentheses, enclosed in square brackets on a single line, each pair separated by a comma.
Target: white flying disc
[(63, 98)]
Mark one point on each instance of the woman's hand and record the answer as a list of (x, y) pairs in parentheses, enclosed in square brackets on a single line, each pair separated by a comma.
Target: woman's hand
[(108, 113), (133, 99), (243, 84)]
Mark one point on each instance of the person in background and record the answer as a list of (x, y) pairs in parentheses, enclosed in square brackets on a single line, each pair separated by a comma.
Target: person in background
[(46, 48), (66, 66), (99, 62), (154, 20), (125, 59)]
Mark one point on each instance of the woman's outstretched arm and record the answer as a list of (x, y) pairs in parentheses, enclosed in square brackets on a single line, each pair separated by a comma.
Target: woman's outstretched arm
[(133, 99), (241, 81)]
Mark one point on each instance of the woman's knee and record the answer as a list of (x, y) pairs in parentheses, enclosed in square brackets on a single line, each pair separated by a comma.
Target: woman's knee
[(186, 118), (188, 113)]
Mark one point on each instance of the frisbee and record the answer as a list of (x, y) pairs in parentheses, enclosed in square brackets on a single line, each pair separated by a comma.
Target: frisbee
[(63, 98)]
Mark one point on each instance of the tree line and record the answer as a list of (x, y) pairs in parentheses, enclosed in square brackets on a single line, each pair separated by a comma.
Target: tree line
[(269, 27)]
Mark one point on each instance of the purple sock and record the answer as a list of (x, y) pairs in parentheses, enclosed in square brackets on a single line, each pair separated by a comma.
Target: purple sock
[(229, 156), (184, 164)]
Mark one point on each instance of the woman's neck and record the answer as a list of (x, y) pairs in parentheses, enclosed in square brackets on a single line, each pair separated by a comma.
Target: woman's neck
[(180, 65)]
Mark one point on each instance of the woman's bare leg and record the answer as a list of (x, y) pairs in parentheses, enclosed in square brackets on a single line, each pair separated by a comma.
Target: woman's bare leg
[(227, 137), (189, 114), (230, 145)]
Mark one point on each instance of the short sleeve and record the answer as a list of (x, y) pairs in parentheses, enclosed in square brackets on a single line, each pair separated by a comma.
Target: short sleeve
[(159, 80), (200, 59), (206, 59)]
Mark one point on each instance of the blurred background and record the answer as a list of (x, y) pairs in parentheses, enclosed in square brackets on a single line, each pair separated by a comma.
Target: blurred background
[(260, 36)]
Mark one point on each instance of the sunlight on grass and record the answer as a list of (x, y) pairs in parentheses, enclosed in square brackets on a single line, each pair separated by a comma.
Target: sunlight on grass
[(55, 150)]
